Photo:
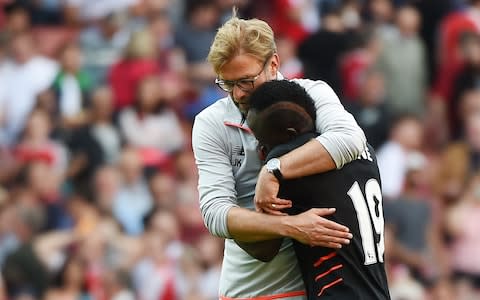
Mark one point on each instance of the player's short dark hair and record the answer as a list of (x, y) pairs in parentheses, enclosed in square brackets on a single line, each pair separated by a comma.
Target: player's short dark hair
[(275, 91), (279, 111)]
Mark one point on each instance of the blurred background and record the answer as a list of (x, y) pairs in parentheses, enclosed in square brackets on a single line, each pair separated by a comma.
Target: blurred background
[(98, 194)]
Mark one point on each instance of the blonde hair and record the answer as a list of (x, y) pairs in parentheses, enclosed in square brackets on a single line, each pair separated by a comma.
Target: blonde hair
[(239, 36)]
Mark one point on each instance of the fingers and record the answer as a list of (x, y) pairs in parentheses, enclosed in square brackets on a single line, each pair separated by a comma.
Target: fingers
[(331, 241), (335, 233), (274, 212), (335, 226), (328, 223), (282, 202), (275, 203), (274, 207), (323, 211)]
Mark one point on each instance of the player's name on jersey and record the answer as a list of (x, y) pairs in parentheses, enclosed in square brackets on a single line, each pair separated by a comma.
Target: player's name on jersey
[(365, 155)]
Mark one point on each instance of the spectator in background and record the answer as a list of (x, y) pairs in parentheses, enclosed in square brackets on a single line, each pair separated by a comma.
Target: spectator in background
[(17, 18), (331, 41), (466, 80), (294, 19), (350, 13), (3, 292), (45, 183), (356, 61), (194, 36), (105, 186), (154, 274), (82, 12), (369, 108), (171, 58), (191, 224), (35, 144), (70, 282), (139, 61), (6, 66), (23, 270), (450, 179), (151, 125), (380, 16), (189, 275), (291, 66), (8, 240), (413, 232), (133, 201), (96, 143), (463, 223), (102, 127), (405, 136), (102, 44), (210, 249), (433, 13), (5, 62), (71, 86), (164, 189), (106, 249), (403, 61), (467, 104), (172, 62), (449, 32), (116, 284), (472, 139), (47, 12), (18, 98)]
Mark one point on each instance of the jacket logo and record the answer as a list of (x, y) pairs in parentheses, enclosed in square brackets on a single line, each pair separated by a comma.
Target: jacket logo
[(237, 156)]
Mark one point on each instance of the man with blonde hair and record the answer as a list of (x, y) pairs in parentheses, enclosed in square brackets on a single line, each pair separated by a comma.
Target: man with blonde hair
[(243, 55)]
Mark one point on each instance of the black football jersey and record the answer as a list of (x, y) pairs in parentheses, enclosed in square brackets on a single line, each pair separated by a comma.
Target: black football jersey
[(355, 272)]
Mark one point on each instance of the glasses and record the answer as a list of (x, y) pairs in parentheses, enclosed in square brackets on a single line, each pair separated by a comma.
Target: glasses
[(245, 84)]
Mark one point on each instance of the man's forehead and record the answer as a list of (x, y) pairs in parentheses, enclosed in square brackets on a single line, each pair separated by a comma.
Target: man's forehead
[(241, 66)]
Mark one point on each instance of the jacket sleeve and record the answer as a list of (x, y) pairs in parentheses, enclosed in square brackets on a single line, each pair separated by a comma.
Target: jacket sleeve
[(339, 132), (216, 183)]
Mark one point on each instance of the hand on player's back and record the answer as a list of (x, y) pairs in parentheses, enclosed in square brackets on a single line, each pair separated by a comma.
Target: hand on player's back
[(313, 229)]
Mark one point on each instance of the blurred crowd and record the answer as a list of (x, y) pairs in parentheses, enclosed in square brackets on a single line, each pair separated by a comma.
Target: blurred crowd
[(98, 194)]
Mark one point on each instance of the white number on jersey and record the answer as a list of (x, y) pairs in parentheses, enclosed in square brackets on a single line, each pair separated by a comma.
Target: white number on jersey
[(369, 211)]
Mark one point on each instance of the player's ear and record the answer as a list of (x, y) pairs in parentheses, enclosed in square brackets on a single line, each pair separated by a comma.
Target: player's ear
[(291, 132), (262, 152)]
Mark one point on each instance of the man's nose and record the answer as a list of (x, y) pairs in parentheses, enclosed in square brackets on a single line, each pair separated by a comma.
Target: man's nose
[(238, 93)]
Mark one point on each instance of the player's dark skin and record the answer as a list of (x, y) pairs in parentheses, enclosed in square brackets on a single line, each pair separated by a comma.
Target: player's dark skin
[(268, 137), (282, 117)]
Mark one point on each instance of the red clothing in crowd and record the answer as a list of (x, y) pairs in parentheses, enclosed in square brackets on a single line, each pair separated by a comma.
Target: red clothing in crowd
[(284, 25), (352, 67), (451, 30), (450, 62), (124, 77)]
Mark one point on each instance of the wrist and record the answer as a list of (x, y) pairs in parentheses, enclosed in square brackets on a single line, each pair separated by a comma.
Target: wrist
[(266, 175), (286, 228), (273, 167)]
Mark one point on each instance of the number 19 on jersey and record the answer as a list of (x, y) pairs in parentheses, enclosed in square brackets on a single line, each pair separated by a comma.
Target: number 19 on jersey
[(370, 219)]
